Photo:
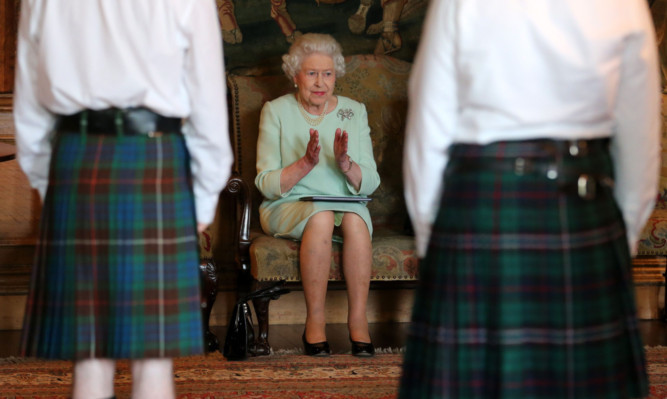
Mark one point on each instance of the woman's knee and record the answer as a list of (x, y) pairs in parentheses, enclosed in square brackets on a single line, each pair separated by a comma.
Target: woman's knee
[(354, 224), (321, 221)]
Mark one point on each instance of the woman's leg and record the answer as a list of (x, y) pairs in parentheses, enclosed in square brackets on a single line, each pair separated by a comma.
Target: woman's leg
[(315, 258), (93, 378), (153, 378), (357, 258)]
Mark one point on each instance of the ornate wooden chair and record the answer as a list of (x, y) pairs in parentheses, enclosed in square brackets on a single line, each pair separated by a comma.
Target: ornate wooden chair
[(380, 82)]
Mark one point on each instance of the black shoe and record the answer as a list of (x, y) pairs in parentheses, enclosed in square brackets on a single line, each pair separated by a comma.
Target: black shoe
[(320, 349), (362, 349)]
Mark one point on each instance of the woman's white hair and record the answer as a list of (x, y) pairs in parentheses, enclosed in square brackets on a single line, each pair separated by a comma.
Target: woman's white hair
[(311, 43)]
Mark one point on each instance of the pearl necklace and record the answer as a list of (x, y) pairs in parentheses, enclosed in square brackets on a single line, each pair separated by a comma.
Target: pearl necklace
[(312, 121)]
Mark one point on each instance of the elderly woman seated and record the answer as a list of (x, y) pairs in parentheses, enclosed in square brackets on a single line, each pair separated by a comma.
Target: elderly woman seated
[(313, 142)]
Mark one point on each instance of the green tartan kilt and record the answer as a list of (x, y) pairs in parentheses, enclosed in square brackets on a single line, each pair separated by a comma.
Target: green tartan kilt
[(526, 288), (117, 265)]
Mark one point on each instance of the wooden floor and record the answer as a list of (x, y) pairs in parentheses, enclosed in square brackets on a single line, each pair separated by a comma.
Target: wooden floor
[(385, 335)]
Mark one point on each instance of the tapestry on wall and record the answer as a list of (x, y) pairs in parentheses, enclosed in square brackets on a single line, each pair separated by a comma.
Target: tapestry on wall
[(259, 32)]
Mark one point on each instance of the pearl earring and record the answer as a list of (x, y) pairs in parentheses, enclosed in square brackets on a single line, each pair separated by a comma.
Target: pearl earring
[(295, 85)]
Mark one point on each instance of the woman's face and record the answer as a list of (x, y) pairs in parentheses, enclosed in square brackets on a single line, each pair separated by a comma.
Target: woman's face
[(316, 79)]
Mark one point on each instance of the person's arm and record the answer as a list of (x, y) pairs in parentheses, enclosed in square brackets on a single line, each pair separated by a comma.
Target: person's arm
[(275, 180), (206, 129), (346, 165), (292, 174), (635, 145), (361, 171), (33, 123), (432, 118)]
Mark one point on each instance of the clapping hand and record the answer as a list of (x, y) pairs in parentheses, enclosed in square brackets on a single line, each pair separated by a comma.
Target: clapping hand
[(340, 150), (312, 156)]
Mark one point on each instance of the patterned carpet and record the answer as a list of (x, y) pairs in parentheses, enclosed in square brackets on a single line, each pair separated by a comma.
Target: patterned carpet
[(277, 376), (657, 369), (212, 377)]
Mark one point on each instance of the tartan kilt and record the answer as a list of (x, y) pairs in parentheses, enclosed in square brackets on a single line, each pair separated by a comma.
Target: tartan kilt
[(117, 267), (526, 290)]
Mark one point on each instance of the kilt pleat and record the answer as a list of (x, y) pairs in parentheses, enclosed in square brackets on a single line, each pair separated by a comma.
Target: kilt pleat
[(526, 289), (116, 271)]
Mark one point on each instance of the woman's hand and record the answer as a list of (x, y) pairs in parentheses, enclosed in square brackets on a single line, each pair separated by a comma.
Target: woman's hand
[(293, 173), (351, 170), (340, 151), (312, 156)]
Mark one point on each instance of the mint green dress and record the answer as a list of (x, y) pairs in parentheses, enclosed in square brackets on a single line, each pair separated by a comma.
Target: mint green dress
[(283, 137)]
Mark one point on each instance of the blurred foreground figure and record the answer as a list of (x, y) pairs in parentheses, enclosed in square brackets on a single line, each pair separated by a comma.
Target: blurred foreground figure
[(121, 125), (531, 165)]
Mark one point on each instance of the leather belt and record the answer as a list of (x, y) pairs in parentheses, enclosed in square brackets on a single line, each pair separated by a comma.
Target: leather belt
[(573, 148), (120, 122), (583, 182)]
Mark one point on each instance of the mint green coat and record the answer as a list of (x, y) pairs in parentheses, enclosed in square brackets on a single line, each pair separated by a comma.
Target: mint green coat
[(283, 137)]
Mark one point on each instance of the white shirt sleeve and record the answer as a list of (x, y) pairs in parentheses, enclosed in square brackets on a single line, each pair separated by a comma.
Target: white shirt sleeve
[(206, 130), (635, 147), (432, 119), (33, 122)]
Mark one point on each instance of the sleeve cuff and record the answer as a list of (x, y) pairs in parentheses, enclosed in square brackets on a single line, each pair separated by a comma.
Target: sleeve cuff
[(205, 208)]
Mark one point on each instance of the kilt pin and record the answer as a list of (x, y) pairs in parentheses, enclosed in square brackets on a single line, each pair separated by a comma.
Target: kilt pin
[(526, 288), (116, 270)]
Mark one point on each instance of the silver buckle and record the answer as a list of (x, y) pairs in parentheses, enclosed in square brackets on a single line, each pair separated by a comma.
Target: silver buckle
[(586, 186), (154, 134), (520, 166), (578, 148), (552, 172)]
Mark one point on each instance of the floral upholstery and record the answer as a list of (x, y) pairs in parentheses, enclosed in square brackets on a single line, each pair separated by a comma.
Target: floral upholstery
[(653, 239), (380, 82), (393, 259)]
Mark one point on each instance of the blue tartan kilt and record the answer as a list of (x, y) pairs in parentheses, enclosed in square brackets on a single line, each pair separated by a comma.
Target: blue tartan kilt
[(526, 288), (117, 266)]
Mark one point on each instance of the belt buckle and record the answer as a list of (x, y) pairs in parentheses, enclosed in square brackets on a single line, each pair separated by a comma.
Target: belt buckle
[(577, 148), (520, 166), (586, 187), (153, 134), (552, 171)]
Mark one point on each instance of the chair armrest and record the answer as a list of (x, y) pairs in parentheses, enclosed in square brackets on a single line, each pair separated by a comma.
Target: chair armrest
[(240, 193)]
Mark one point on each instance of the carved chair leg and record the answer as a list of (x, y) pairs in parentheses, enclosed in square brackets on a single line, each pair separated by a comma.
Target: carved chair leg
[(262, 337), (209, 290)]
